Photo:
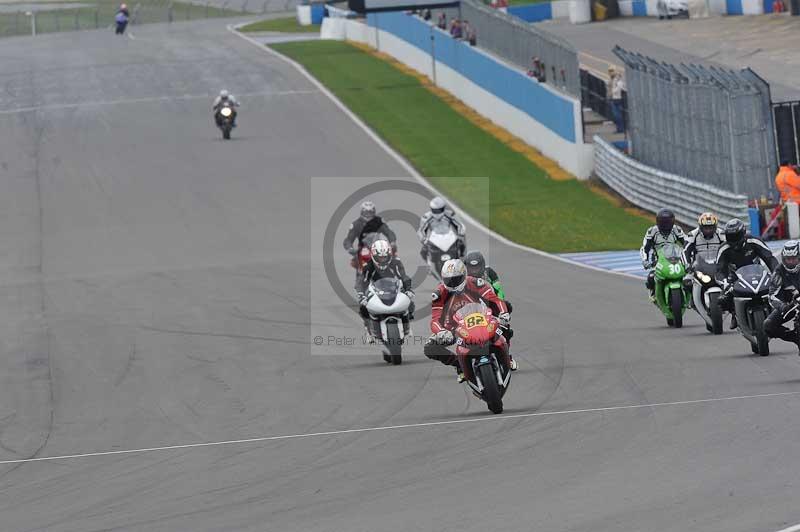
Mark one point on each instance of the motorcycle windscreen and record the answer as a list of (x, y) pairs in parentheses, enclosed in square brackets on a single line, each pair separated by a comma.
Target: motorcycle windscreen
[(751, 279), (386, 289), (442, 236), (672, 253)]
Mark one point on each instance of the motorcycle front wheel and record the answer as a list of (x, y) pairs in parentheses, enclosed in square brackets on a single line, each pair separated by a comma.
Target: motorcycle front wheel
[(491, 390), (762, 340), (395, 341), (715, 313), (676, 306)]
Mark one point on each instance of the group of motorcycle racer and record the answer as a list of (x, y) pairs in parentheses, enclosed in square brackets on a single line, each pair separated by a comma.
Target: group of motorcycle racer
[(731, 248), (464, 279)]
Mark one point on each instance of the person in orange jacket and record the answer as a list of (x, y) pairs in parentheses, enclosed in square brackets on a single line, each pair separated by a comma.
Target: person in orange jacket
[(788, 183)]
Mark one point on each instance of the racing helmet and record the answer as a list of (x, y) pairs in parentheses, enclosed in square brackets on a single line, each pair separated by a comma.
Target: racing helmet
[(735, 233), (665, 221), (707, 224), (790, 256), (476, 264), (454, 275), (368, 211), (224, 94), (381, 254), (437, 206)]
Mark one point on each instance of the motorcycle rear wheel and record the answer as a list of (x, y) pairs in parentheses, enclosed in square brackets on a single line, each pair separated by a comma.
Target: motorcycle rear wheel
[(491, 390)]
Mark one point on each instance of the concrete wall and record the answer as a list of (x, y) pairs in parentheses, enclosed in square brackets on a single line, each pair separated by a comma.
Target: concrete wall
[(542, 117)]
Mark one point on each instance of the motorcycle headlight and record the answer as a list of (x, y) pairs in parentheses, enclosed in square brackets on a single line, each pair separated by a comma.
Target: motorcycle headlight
[(705, 278), (226, 112)]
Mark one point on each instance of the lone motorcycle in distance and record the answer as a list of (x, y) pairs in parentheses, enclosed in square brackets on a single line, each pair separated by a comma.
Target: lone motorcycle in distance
[(670, 294), (225, 119), (479, 349), (388, 322)]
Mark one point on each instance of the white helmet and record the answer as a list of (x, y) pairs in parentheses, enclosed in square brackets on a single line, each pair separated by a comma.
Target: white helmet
[(790, 256), (368, 211), (381, 254), (454, 275), (437, 206), (224, 94)]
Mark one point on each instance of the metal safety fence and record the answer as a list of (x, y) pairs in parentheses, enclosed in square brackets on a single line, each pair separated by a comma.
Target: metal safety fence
[(708, 124), (653, 189), (518, 42)]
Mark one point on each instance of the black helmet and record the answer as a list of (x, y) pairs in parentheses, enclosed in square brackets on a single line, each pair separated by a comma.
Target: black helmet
[(790, 256), (735, 233), (665, 221), (476, 264)]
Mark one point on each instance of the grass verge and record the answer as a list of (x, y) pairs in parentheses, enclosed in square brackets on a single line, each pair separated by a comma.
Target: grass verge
[(100, 14), (285, 25), (525, 204)]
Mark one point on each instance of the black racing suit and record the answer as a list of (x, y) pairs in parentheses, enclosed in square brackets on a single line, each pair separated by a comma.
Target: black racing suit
[(371, 273), (729, 259), (360, 228), (783, 288), (654, 240)]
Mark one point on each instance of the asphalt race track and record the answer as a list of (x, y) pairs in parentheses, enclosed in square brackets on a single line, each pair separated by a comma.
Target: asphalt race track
[(160, 287)]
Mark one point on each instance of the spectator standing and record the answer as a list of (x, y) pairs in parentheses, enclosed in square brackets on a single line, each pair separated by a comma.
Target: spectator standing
[(470, 33), (537, 70), (788, 182), (426, 14), (778, 7), (615, 87), (455, 29), (441, 22)]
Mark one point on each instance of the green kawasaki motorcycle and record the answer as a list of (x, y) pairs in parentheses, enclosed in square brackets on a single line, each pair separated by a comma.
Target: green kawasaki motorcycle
[(672, 298)]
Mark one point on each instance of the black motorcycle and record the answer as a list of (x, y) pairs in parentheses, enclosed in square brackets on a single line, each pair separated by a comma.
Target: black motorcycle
[(751, 304), (225, 117)]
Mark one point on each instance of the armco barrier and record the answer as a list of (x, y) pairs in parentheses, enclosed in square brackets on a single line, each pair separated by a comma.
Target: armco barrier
[(652, 189), (541, 116)]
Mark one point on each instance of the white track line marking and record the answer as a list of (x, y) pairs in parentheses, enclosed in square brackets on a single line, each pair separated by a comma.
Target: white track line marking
[(146, 100), (410, 169), (795, 528), (395, 427)]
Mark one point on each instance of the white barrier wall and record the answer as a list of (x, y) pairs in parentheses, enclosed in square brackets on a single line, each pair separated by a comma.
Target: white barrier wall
[(564, 145), (304, 15)]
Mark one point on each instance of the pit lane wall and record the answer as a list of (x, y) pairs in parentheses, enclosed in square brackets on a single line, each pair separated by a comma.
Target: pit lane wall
[(542, 117), (649, 8)]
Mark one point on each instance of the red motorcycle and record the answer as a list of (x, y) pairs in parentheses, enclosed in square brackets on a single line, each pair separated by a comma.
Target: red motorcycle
[(481, 348)]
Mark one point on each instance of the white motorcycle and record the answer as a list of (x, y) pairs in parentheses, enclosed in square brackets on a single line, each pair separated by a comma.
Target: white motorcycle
[(388, 322), (705, 294), (443, 244)]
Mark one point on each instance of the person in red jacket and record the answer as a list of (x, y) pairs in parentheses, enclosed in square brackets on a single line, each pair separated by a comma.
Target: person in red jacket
[(456, 290)]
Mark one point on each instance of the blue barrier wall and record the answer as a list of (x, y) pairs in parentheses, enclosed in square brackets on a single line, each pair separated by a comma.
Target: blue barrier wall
[(734, 7), (639, 8), (317, 13), (533, 12), (510, 85)]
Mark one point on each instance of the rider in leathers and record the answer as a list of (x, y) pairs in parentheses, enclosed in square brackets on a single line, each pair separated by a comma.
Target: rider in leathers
[(664, 232), (783, 294), (456, 290), (383, 265), (368, 222), (704, 241), (439, 213), (739, 250)]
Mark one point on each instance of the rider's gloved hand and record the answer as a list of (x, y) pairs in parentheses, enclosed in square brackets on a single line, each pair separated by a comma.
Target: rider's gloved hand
[(444, 338), (410, 294), (504, 318), (362, 299), (353, 251)]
